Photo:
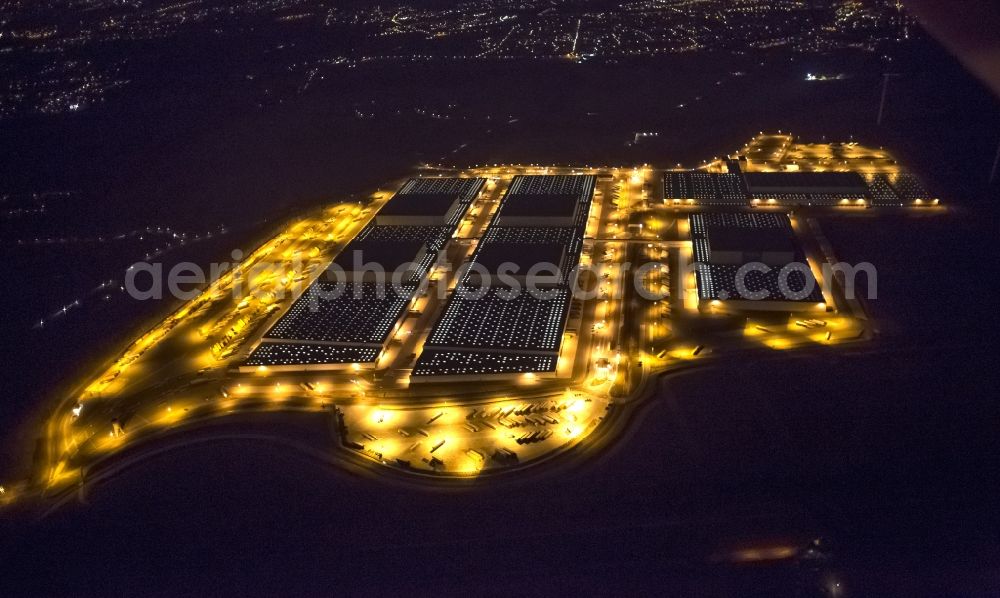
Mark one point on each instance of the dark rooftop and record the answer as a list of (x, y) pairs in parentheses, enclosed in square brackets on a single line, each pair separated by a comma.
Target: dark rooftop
[(561, 205), (390, 255), (750, 239), (419, 204), (523, 255), (805, 181)]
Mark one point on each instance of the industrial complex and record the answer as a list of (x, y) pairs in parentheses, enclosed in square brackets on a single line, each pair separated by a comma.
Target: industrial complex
[(467, 321)]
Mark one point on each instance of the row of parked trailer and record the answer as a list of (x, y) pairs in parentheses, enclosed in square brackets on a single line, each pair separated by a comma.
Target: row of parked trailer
[(518, 410), (538, 420), (536, 436)]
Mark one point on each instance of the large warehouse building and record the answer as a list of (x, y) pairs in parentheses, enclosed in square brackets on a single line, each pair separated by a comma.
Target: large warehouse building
[(348, 315), (490, 331), (543, 201), (751, 261), (738, 188), (848, 183), (368, 260), (807, 188), (424, 202)]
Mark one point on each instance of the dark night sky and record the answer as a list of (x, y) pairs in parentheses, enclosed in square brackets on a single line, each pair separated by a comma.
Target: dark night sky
[(968, 28)]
